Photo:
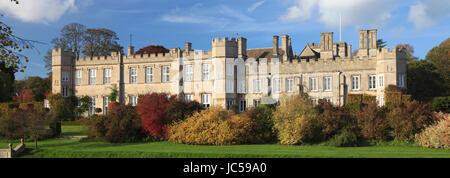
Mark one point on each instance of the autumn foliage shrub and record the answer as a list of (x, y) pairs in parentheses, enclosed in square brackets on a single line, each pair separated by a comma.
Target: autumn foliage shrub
[(262, 130), (295, 120), (332, 119), (214, 126), (153, 109), (436, 135), (410, 118), (372, 122), (180, 109), (121, 124)]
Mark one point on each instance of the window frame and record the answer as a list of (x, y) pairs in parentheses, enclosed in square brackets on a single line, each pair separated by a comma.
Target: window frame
[(372, 82), (381, 81), (327, 83), (133, 100), (358, 82), (313, 85), (205, 71), (290, 85), (206, 100), (148, 75), (258, 88), (92, 76), (189, 97), (78, 75), (133, 76), (107, 76), (165, 73), (64, 76), (188, 73)]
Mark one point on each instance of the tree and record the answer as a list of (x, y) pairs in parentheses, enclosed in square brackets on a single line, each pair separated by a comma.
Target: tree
[(38, 86), (409, 51), (6, 82), (26, 95), (381, 44), (29, 123), (10, 48), (36, 126), (100, 42), (71, 38), (439, 56), (424, 82)]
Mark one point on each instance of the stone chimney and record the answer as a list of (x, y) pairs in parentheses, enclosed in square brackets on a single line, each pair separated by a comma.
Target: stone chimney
[(188, 46), (275, 45), (242, 47), (130, 50), (285, 45), (326, 41)]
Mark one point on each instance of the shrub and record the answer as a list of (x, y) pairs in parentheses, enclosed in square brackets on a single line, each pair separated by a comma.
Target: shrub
[(354, 108), (294, 120), (178, 110), (366, 99), (345, 138), (372, 122), (28, 123), (121, 124), (97, 127), (153, 110), (262, 118), (393, 97), (441, 104), (124, 125), (208, 127), (113, 105), (408, 119), (331, 119), (437, 135), (354, 98)]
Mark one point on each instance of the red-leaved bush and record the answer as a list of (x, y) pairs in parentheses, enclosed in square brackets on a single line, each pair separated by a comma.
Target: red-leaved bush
[(372, 122), (153, 110), (410, 118), (26, 95), (332, 119)]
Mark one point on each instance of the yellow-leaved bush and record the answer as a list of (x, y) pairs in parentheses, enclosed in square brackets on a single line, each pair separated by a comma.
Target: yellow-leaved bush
[(294, 119), (214, 126), (436, 135)]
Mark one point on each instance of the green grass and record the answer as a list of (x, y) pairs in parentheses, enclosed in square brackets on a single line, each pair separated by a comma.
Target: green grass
[(73, 148), (73, 130), (65, 148)]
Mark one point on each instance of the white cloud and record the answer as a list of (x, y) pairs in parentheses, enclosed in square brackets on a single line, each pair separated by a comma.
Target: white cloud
[(300, 11), (199, 15), (37, 11), (427, 13), (185, 19), (255, 5), (353, 12), (225, 10)]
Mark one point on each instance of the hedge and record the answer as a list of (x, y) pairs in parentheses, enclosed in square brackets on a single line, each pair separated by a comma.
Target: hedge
[(7, 106), (361, 98)]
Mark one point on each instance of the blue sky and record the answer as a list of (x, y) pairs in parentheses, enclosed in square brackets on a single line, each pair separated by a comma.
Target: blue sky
[(421, 23)]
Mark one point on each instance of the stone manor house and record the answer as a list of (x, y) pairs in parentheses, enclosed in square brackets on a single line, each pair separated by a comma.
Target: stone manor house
[(230, 73)]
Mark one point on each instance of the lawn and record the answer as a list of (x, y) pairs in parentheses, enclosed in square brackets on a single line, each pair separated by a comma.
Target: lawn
[(73, 148), (73, 130)]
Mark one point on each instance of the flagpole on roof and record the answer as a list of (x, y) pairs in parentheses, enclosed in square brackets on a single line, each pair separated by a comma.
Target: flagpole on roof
[(340, 27)]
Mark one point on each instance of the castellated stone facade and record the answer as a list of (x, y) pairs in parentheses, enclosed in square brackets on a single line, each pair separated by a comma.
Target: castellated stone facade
[(230, 73)]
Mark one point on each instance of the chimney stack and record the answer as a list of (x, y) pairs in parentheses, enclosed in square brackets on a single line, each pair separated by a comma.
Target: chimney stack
[(275, 45), (130, 50), (188, 46)]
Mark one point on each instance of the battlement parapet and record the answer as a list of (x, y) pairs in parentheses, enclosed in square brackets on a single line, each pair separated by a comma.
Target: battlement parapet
[(224, 41)]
